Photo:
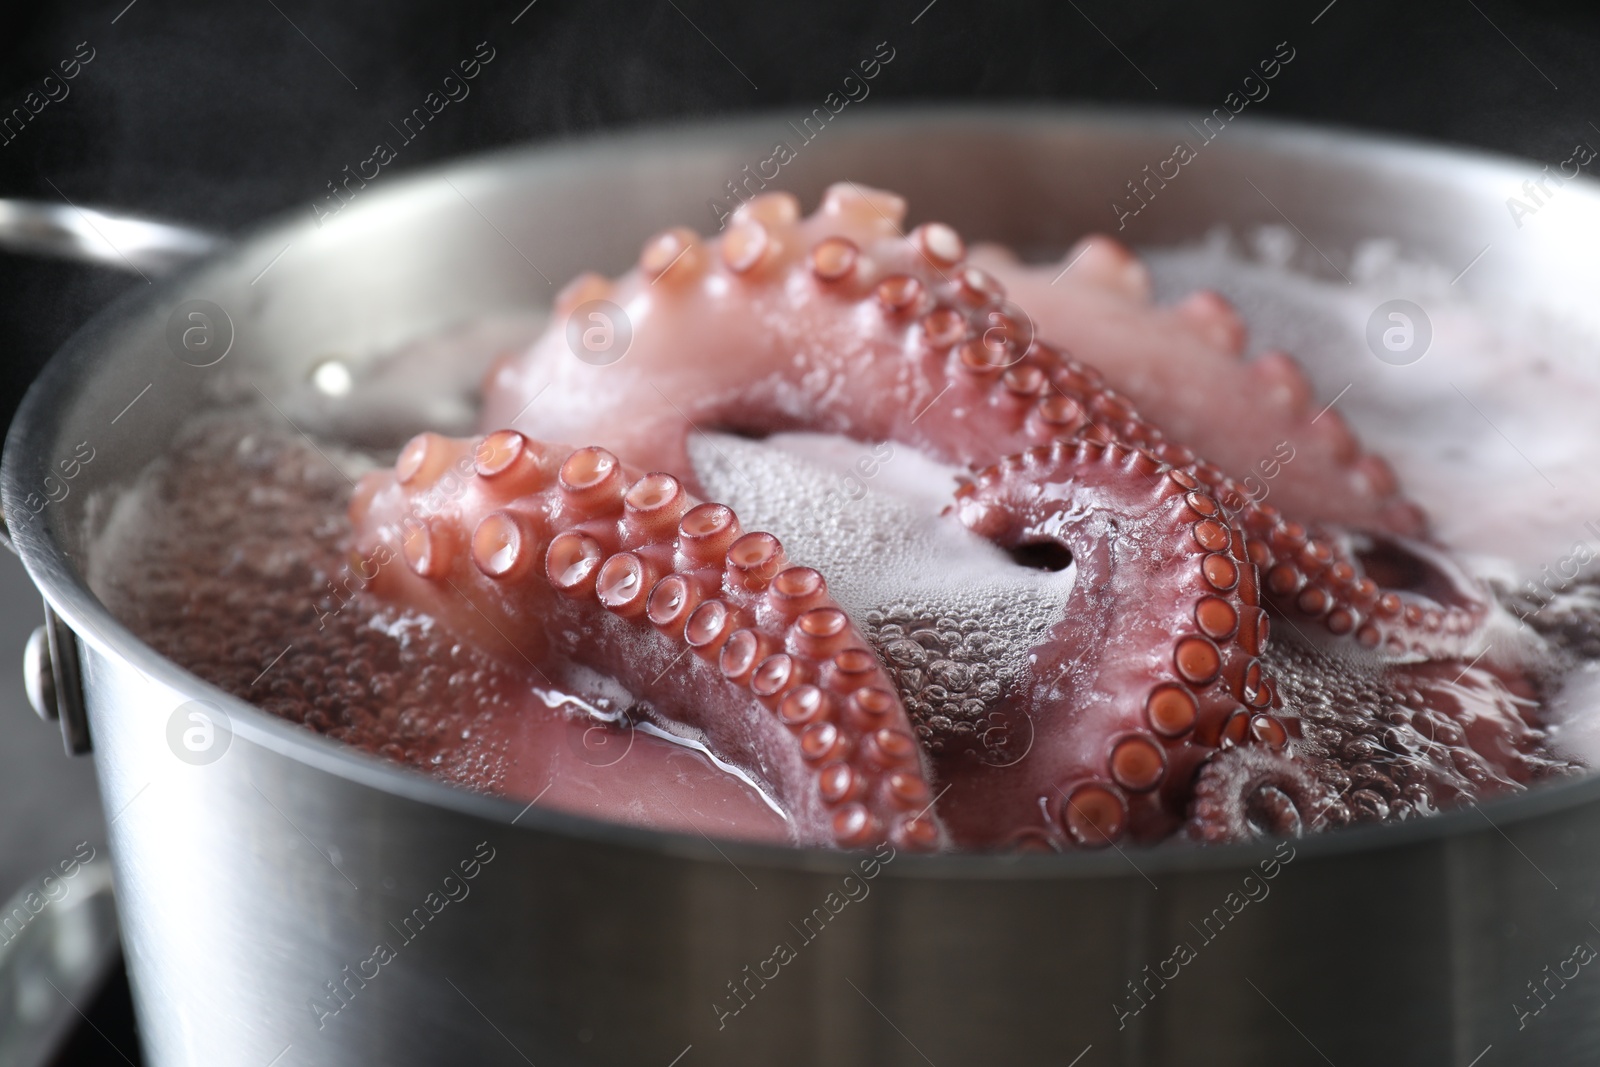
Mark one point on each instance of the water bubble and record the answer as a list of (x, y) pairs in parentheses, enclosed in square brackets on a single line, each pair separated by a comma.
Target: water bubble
[(903, 653)]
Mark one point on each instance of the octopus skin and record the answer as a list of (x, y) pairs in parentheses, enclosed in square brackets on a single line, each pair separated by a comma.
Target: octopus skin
[(1158, 703), (555, 557)]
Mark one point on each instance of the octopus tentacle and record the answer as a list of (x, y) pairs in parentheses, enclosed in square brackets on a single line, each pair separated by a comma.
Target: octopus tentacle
[(1426, 606), (1152, 690), (1184, 366), (841, 322), (1246, 793), (1319, 575), (1156, 661), (568, 557)]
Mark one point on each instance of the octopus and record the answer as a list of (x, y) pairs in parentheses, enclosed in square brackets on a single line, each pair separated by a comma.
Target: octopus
[(1219, 669)]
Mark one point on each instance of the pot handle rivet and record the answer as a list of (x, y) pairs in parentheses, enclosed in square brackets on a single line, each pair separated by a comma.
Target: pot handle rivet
[(38, 675)]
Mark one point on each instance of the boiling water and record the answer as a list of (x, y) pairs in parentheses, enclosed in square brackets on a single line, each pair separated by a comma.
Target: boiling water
[(953, 615), (224, 555)]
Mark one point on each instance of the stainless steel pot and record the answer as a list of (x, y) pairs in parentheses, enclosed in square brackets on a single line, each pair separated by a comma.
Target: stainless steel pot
[(255, 889)]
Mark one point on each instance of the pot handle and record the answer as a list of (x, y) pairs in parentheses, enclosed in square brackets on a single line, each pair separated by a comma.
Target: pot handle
[(100, 238), (96, 238)]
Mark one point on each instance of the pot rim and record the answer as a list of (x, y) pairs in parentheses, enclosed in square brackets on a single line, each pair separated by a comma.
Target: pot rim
[(52, 572)]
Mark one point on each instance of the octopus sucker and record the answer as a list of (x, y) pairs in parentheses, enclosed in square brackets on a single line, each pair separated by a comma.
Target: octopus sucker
[(569, 557)]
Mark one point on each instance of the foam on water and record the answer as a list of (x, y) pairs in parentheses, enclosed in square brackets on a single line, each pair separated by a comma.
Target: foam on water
[(1493, 431), (954, 616), (1576, 733)]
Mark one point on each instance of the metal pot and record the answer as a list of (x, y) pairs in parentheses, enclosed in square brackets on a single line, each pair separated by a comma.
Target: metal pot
[(256, 889)]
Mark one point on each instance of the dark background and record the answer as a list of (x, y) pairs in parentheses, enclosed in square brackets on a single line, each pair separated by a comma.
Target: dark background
[(220, 112), (223, 111)]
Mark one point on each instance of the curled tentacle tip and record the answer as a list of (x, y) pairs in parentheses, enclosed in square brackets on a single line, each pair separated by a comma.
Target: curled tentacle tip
[(1256, 791)]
